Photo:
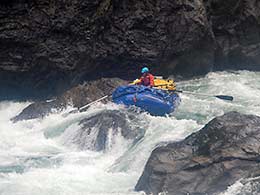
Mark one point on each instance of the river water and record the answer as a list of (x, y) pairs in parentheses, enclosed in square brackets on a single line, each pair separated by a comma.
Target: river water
[(37, 157)]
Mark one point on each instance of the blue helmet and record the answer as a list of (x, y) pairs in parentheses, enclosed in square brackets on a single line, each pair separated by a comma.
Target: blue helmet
[(144, 70)]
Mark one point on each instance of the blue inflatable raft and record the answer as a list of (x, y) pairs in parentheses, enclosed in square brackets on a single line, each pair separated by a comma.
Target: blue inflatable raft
[(155, 101)]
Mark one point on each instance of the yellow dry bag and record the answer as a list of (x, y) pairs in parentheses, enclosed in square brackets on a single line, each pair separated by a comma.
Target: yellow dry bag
[(160, 83)]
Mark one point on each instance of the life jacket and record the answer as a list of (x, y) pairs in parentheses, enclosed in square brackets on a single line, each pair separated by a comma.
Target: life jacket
[(147, 80)]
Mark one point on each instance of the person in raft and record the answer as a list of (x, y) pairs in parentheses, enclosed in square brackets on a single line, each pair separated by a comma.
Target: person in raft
[(147, 79)]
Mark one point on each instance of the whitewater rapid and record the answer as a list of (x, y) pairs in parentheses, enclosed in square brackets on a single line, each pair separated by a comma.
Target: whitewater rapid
[(37, 157)]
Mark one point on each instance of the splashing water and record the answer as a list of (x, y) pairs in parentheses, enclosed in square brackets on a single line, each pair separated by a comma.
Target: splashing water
[(37, 157)]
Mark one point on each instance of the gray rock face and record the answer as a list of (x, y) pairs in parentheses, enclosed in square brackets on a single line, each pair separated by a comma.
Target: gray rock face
[(208, 161), (235, 25), (47, 46), (99, 132), (77, 97)]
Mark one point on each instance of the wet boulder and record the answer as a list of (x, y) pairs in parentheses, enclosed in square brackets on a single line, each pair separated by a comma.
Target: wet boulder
[(39, 110), (77, 97), (99, 132), (208, 161)]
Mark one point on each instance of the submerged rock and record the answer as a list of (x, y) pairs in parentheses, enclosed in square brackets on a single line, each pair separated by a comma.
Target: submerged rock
[(77, 97), (99, 132), (208, 161)]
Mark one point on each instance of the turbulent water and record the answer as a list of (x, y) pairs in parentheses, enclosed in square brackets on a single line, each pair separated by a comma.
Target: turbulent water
[(38, 157)]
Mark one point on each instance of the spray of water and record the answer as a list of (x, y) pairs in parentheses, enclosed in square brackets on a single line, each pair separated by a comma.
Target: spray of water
[(37, 156)]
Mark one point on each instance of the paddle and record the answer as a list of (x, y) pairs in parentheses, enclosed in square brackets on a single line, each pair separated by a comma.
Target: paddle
[(87, 105), (222, 97), (91, 103)]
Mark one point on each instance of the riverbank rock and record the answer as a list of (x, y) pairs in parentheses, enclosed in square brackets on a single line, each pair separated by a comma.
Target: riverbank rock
[(99, 132), (208, 161), (77, 97)]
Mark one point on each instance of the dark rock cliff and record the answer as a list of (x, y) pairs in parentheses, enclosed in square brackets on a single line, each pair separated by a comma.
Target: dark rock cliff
[(236, 27), (48, 46), (208, 161)]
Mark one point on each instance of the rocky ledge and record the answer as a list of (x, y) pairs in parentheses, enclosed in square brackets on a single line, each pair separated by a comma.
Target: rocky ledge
[(77, 97), (208, 161)]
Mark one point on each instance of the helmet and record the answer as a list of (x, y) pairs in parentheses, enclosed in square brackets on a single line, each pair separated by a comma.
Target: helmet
[(144, 70)]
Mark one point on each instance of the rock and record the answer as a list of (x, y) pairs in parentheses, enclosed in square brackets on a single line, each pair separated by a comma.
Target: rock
[(39, 110), (45, 47), (235, 25), (77, 96), (99, 132), (208, 161), (90, 91)]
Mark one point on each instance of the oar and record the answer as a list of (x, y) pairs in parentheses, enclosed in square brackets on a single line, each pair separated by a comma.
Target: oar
[(222, 97), (87, 105), (91, 103)]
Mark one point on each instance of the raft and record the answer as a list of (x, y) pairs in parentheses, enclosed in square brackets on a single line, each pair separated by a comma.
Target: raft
[(157, 102)]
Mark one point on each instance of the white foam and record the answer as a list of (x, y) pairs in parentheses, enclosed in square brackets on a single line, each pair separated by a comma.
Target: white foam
[(49, 164)]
